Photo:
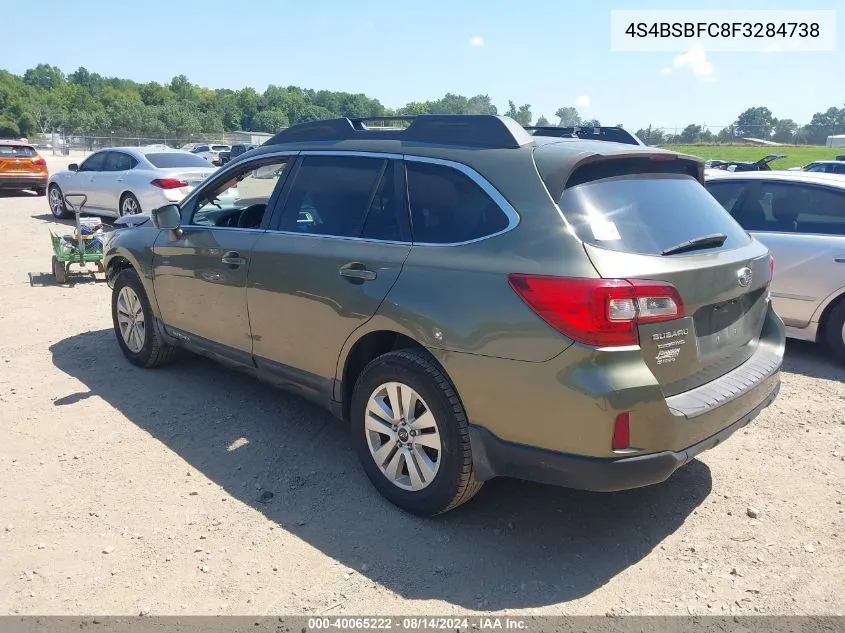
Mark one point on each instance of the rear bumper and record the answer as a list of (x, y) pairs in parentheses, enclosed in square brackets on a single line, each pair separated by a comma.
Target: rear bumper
[(21, 181), (493, 457)]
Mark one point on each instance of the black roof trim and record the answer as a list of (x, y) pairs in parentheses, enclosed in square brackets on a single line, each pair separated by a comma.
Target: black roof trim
[(482, 130), (588, 133)]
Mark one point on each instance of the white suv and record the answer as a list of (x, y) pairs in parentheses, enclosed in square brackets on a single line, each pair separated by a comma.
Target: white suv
[(211, 152)]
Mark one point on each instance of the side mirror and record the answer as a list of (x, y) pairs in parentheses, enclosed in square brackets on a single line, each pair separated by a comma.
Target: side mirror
[(73, 167), (168, 217)]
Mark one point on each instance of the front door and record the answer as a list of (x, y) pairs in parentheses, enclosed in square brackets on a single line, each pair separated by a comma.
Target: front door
[(200, 274), (326, 266)]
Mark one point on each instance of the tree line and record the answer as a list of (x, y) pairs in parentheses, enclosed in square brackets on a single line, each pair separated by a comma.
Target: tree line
[(45, 100)]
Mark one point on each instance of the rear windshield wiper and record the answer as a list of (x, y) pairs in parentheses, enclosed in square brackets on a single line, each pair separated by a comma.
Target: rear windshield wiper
[(714, 239)]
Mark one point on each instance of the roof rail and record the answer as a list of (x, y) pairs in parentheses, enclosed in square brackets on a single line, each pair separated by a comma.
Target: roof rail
[(481, 130), (588, 133)]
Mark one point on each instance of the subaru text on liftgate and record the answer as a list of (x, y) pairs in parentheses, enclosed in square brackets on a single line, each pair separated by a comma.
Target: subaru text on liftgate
[(475, 298)]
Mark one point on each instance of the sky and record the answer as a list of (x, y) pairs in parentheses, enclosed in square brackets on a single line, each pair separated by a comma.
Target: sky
[(547, 53)]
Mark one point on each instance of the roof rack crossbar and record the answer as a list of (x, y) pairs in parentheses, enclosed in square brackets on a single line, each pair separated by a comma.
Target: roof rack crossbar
[(588, 133), (480, 130)]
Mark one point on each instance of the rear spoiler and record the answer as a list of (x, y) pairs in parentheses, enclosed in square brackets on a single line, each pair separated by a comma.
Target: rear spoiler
[(588, 133)]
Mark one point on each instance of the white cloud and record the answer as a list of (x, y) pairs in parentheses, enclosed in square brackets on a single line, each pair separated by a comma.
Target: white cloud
[(476, 41), (582, 101), (693, 61)]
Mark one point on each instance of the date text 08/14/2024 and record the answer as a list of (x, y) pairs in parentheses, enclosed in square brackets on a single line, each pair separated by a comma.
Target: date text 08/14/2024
[(417, 623)]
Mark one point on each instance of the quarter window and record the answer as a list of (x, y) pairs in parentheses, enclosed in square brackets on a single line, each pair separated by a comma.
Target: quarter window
[(448, 207), (342, 196)]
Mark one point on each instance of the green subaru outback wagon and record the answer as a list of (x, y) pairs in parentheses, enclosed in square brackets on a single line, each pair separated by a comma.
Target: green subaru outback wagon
[(475, 298)]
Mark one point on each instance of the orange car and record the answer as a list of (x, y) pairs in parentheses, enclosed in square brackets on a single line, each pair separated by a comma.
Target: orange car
[(22, 168)]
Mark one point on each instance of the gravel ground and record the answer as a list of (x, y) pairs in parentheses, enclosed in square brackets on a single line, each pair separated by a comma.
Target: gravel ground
[(193, 489)]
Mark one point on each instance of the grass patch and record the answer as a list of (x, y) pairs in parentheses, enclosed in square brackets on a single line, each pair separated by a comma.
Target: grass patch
[(796, 155)]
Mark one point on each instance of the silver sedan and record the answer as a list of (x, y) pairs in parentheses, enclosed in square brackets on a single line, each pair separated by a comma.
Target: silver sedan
[(800, 216), (122, 181)]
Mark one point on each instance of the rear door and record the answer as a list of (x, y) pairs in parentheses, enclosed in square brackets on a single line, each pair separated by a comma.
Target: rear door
[(327, 263), (636, 225), (804, 226)]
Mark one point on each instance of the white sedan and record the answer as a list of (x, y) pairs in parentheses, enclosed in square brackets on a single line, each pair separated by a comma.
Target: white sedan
[(122, 181)]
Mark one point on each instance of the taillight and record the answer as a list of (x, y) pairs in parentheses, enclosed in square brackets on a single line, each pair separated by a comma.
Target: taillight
[(599, 312), (168, 183), (40, 162), (771, 266)]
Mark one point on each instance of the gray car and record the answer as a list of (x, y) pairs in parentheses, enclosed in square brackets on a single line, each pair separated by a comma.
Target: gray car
[(475, 300), (800, 216), (122, 181)]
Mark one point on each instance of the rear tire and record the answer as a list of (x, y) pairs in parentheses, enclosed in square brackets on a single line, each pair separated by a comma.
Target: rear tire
[(56, 200), (134, 323), (129, 205), (453, 482), (834, 331)]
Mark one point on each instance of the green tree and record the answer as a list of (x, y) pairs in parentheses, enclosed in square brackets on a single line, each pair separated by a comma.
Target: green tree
[(543, 122), (521, 115), (568, 116), (271, 120), (44, 76), (690, 134), (755, 122), (784, 130), (9, 128)]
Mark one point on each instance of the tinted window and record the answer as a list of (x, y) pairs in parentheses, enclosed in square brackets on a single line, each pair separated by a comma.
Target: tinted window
[(647, 213), (726, 192), (838, 169), (381, 222), (331, 195), (94, 162), (448, 207), (783, 207), (118, 161), (17, 151), (819, 167), (219, 148), (165, 160)]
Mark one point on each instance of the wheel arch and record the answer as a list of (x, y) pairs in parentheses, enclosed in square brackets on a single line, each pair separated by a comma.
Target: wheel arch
[(362, 351), (829, 305)]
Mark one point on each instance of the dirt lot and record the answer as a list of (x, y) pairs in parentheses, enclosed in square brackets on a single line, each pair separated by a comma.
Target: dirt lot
[(123, 490)]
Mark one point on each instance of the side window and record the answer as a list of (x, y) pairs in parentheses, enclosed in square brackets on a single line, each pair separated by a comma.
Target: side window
[(726, 193), (839, 169), (94, 162), (448, 207), (780, 204), (824, 212), (335, 195), (118, 161), (816, 167), (240, 201)]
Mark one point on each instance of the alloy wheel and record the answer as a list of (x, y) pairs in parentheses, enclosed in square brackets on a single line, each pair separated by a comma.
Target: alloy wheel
[(56, 202), (130, 319), (129, 206), (403, 436)]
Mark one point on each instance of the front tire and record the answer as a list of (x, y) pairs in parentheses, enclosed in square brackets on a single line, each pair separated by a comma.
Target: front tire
[(134, 324), (57, 203), (129, 205), (411, 434), (834, 331)]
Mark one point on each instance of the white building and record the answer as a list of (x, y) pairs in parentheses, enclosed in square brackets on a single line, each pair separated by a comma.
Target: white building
[(836, 140)]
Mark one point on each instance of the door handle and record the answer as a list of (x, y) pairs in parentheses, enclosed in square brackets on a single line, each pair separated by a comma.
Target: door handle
[(356, 271), (233, 259)]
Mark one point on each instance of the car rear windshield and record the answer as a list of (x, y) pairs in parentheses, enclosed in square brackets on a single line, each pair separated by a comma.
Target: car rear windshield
[(166, 160), (647, 213), (17, 151)]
